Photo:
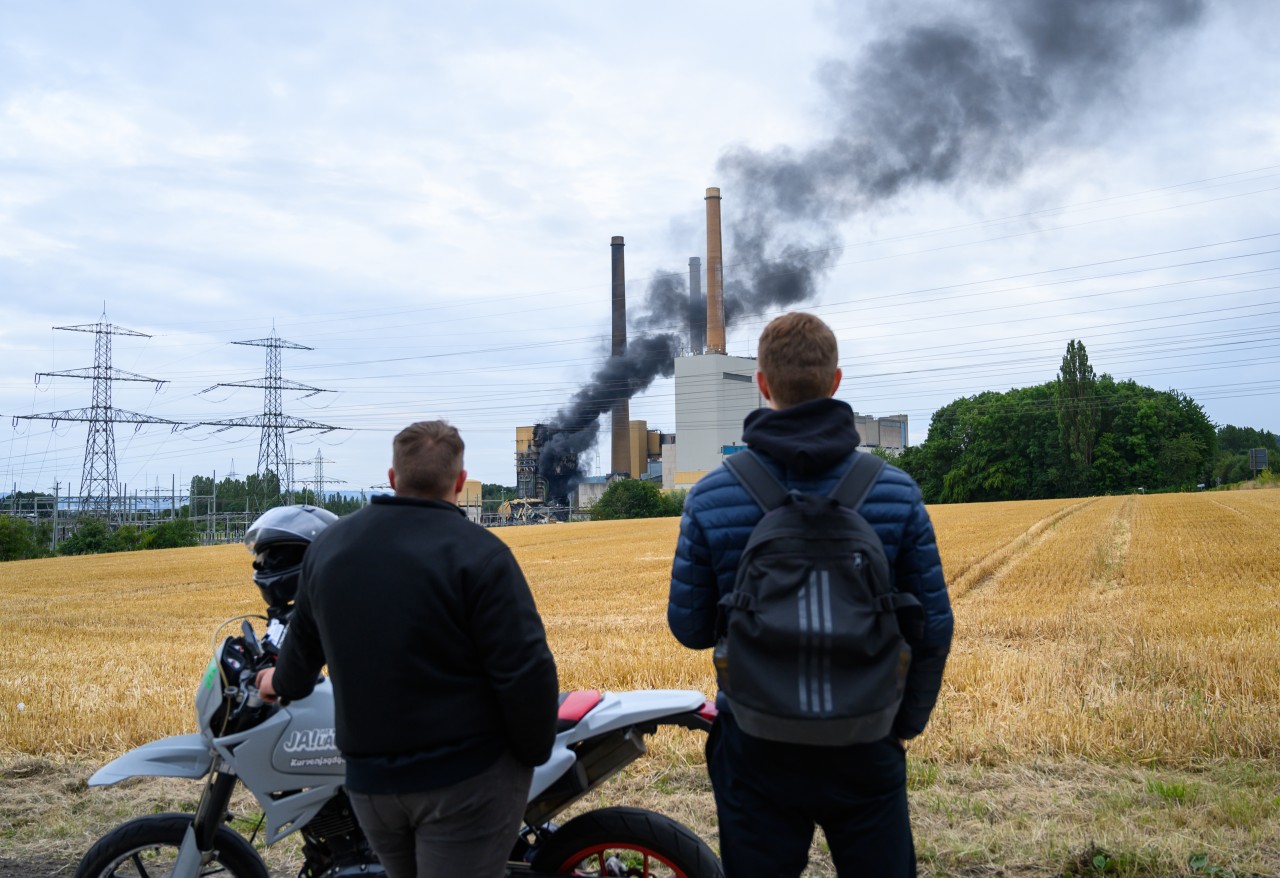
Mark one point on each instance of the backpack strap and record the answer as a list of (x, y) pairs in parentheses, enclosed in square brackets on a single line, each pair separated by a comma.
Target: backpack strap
[(853, 488), (762, 485)]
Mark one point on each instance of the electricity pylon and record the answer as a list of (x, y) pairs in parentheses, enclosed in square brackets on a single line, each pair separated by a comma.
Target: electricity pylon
[(98, 483), (318, 479), (273, 421)]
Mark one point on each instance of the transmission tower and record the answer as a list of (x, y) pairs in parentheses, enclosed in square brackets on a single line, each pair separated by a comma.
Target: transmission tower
[(98, 483), (273, 421), (290, 479), (319, 481)]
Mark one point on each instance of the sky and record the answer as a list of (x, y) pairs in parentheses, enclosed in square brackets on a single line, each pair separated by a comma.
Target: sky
[(422, 196)]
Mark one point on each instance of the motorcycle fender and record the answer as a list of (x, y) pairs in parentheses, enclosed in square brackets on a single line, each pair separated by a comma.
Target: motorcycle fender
[(560, 761), (180, 756), (621, 709)]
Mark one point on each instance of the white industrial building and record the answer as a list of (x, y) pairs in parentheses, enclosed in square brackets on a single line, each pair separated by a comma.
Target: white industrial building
[(714, 393)]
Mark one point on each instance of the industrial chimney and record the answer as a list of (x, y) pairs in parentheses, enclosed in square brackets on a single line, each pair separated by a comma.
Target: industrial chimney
[(620, 417), (697, 308), (715, 275)]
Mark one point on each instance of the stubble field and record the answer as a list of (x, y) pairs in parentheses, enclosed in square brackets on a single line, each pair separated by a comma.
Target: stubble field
[(1111, 704)]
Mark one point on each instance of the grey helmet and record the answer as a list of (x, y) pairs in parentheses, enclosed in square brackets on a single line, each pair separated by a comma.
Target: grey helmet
[(278, 539)]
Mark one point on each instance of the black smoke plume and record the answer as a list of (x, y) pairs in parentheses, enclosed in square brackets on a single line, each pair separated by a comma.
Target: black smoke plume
[(935, 102), (970, 98), (575, 427)]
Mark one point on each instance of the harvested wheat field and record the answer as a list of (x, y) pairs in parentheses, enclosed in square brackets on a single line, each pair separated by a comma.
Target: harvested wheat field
[(1111, 703)]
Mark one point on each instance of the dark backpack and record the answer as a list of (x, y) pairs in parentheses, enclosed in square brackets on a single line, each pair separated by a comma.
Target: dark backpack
[(809, 647)]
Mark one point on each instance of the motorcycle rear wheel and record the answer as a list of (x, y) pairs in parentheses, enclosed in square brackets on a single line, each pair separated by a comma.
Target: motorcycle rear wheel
[(148, 847), (626, 841)]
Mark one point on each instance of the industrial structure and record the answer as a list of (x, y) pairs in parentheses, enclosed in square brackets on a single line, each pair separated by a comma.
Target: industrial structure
[(531, 445), (273, 421), (715, 275), (534, 494), (697, 308), (100, 491), (714, 392), (621, 413), (318, 482), (888, 433)]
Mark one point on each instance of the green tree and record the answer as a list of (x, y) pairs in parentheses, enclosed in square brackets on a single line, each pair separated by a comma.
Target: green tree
[(492, 495), (174, 534), (1240, 439), (631, 498), (1010, 446), (19, 539), (90, 537), (673, 503), (1078, 412), (124, 539)]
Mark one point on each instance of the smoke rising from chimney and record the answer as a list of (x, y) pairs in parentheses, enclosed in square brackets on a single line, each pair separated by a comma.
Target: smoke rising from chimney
[(619, 377), (934, 102)]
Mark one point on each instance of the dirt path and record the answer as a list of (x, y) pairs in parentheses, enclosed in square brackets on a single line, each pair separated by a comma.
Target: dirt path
[(991, 567)]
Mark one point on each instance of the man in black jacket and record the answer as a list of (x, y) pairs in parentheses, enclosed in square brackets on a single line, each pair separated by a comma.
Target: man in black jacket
[(445, 690)]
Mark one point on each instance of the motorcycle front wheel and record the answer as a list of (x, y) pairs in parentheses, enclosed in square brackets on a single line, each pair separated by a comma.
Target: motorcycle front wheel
[(626, 842), (148, 848)]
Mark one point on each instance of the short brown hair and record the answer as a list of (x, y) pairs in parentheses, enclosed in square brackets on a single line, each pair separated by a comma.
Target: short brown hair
[(798, 357), (427, 457)]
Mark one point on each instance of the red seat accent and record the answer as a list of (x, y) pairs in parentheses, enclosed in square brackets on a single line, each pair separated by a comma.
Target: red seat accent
[(578, 704)]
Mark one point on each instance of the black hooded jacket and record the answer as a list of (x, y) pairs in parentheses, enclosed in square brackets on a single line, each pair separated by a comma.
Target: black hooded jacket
[(438, 656)]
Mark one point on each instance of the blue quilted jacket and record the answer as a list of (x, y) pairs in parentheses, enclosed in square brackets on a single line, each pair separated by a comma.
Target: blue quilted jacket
[(808, 447)]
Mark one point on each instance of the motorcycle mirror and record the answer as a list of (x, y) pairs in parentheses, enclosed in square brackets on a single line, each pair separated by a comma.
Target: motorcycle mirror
[(250, 639)]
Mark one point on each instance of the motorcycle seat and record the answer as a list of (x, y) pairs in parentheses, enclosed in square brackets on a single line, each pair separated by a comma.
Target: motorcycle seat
[(575, 705)]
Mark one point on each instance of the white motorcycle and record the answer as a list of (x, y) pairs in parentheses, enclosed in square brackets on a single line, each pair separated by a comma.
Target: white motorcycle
[(286, 757)]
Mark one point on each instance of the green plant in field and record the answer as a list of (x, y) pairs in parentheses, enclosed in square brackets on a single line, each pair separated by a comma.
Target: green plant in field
[(1099, 861), (921, 774), (1174, 791), (1198, 864)]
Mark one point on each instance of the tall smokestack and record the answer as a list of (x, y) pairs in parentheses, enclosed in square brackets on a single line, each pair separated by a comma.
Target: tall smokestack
[(697, 309), (715, 276), (620, 420)]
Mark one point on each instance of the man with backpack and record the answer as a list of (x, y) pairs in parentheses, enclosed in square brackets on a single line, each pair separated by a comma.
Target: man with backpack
[(830, 621)]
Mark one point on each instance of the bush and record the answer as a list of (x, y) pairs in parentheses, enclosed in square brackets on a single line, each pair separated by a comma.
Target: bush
[(19, 539), (633, 498), (171, 535), (91, 537)]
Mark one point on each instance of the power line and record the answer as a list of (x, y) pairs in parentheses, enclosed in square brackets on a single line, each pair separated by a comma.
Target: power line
[(273, 422), (99, 485)]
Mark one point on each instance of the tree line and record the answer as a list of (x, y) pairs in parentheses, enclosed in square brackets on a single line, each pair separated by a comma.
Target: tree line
[(1080, 434), (258, 493)]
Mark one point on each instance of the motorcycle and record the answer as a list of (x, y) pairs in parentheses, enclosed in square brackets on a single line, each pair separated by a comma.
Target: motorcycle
[(286, 757)]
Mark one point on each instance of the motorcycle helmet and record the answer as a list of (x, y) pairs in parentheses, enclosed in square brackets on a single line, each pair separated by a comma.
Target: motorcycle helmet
[(278, 539)]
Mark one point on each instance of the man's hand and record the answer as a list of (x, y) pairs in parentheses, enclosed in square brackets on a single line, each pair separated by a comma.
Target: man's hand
[(265, 689)]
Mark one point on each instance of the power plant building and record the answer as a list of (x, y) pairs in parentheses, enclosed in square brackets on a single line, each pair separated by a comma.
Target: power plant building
[(714, 392), (889, 433)]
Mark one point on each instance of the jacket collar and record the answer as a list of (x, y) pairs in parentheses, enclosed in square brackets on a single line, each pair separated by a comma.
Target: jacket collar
[(397, 500)]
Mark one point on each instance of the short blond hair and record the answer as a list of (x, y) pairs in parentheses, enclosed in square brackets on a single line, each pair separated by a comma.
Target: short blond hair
[(799, 358), (427, 459)]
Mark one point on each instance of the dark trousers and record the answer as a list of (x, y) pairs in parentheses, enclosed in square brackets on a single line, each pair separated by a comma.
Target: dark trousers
[(462, 831), (769, 796)]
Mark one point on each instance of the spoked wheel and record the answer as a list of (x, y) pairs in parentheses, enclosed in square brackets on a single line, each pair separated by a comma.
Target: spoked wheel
[(148, 848), (626, 842)]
